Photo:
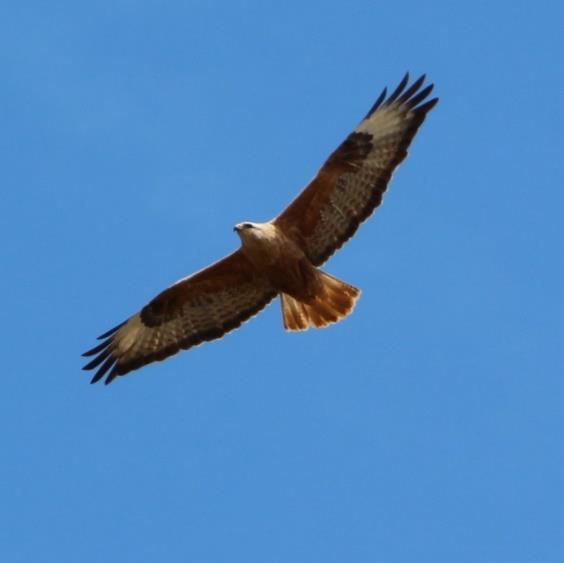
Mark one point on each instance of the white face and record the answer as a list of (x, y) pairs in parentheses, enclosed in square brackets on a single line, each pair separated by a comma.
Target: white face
[(250, 232), (244, 226), (246, 230)]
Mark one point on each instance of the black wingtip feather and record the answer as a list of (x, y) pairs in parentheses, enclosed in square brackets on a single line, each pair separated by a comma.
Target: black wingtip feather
[(98, 359), (96, 349), (103, 369), (377, 103), (410, 97), (412, 89), (399, 89), (420, 96), (112, 375), (427, 106), (111, 331)]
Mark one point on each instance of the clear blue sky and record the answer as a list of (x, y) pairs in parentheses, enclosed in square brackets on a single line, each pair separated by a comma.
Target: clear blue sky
[(428, 427)]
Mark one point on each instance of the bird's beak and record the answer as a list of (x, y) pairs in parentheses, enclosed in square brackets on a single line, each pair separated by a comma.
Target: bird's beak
[(236, 228)]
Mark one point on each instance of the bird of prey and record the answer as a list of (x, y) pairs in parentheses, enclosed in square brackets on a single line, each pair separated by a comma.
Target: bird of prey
[(281, 257)]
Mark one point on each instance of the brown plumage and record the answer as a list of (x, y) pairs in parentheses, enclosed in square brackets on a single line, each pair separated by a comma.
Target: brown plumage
[(280, 257), (333, 301)]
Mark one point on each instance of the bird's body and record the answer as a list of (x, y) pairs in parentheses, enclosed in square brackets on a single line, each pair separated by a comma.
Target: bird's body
[(280, 257), (269, 249), (282, 261), (310, 297)]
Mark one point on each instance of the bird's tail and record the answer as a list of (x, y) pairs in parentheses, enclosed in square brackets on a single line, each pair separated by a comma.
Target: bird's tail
[(335, 300)]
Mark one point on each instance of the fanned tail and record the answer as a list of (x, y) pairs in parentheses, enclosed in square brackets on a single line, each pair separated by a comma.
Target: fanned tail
[(334, 302)]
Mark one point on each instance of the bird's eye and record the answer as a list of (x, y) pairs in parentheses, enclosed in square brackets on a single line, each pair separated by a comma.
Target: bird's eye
[(247, 226)]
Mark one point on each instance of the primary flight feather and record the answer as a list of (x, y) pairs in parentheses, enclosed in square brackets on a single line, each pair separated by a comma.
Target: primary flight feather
[(280, 257)]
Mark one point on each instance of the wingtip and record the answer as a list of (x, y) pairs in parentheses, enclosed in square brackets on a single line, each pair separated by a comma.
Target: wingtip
[(400, 88), (111, 331), (103, 369), (112, 375), (427, 106), (89, 366), (411, 96), (97, 349), (377, 103)]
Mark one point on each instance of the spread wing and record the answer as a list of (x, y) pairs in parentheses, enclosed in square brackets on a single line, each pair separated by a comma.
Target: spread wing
[(201, 307), (351, 183)]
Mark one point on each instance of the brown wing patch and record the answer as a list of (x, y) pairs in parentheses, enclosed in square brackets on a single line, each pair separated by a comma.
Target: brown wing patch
[(196, 309), (351, 183)]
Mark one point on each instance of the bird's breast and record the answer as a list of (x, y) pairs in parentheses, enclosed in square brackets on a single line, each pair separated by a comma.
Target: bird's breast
[(284, 263)]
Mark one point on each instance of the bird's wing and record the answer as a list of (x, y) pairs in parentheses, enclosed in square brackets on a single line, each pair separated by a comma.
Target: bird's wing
[(350, 185), (201, 307)]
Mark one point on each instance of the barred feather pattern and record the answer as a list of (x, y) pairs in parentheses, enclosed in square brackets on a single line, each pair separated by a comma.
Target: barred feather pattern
[(199, 308), (351, 183)]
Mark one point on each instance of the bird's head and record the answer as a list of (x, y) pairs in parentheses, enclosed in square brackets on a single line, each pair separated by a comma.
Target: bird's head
[(242, 228), (253, 233), (248, 231)]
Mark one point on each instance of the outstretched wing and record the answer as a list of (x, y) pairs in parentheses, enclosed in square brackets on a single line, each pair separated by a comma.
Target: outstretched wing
[(201, 307), (351, 183)]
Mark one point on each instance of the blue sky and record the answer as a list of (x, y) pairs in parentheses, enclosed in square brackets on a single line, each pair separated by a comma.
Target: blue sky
[(427, 427)]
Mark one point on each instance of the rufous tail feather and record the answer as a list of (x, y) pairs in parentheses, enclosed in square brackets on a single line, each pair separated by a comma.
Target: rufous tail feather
[(334, 302)]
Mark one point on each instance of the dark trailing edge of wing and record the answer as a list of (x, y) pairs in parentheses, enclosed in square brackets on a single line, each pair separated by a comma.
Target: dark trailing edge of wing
[(410, 100), (108, 363)]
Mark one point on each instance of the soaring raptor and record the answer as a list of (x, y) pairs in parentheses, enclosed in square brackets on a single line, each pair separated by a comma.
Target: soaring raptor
[(280, 257)]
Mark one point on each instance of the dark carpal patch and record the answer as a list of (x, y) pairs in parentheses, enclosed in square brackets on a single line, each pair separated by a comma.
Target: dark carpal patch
[(216, 300), (355, 148), (108, 363), (159, 311)]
